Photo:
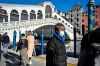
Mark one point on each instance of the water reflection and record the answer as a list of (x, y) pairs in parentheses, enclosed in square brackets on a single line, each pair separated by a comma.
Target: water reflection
[(69, 47)]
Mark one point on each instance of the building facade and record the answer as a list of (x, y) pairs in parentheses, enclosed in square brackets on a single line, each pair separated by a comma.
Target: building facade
[(85, 21), (97, 15), (97, 18), (74, 17)]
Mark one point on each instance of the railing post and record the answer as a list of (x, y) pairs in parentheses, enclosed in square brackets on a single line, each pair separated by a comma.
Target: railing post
[(75, 39), (42, 42), (9, 18)]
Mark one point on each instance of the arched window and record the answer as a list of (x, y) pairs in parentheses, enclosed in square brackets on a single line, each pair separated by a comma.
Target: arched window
[(24, 15), (48, 11), (32, 14), (39, 14), (3, 15), (14, 15)]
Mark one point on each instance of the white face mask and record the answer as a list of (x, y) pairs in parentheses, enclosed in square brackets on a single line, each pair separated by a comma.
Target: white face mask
[(62, 33)]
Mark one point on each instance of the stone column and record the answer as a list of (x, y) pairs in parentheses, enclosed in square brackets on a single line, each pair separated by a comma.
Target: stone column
[(28, 16), (43, 13), (9, 17), (19, 17), (36, 15)]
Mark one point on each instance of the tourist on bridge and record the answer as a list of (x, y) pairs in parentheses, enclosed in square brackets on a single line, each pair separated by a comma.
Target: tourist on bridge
[(31, 46), (5, 42), (90, 48), (23, 47), (56, 52)]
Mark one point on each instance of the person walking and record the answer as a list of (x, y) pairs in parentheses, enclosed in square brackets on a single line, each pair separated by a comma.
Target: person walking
[(56, 52), (23, 47), (90, 48), (31, 46), (5, 42), (0, 45)]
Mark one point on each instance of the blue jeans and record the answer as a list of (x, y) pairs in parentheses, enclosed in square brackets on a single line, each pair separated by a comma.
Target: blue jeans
[(5, 47)]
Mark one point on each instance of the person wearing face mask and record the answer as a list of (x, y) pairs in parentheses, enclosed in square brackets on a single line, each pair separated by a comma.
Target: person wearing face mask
[(55, 50)]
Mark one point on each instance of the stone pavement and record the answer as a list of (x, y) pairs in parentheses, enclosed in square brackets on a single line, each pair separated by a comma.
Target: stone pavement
[(13, 59)]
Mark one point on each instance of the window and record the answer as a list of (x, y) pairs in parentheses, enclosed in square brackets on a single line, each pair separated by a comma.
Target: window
[(66, 23), (96, 16), (77, 19), (71, 28)]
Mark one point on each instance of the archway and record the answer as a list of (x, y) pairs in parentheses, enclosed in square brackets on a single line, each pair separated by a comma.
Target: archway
[(14, 15), (48, 31), (39, 14), (32, 14), (24, 15), (48, 11), (3, 15)]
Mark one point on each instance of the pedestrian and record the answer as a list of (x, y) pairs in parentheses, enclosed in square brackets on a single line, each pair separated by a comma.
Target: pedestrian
[(31, 46), (90, 48), (0, 45), (23, 47), (5, 42), (56, 52)]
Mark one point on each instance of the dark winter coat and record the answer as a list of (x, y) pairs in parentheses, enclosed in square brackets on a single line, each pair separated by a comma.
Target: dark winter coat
[(0, 40), (0, 45), (56, 53), (23, 43), (88, 52), (5, 39)]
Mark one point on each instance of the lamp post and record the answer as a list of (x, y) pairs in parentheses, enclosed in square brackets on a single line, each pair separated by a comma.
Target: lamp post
[(42, 41), (91, 15)]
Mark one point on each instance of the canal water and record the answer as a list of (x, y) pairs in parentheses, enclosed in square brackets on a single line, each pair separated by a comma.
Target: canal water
[(69, 48)]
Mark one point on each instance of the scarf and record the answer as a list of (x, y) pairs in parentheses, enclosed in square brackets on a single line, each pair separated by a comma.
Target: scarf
[(60, 38)]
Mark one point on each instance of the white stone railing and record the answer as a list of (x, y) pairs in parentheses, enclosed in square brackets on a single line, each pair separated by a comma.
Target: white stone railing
[(7, 26), (32, 25)]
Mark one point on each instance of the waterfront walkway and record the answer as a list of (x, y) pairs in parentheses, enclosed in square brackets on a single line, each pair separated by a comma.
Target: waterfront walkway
[(13, 59)]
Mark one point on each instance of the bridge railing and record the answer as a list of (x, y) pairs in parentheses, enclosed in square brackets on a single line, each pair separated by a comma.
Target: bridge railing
[(16, 25)]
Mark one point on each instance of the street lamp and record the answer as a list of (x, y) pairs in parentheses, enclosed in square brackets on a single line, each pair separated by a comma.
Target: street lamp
[(91, 15)]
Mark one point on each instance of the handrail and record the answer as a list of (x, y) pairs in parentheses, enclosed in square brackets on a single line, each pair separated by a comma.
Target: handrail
[(18, 25)]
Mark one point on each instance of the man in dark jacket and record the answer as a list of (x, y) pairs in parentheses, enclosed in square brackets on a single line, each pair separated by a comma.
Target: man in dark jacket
[(56, 52), (90, 49), (0, 45), (5, 42)]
